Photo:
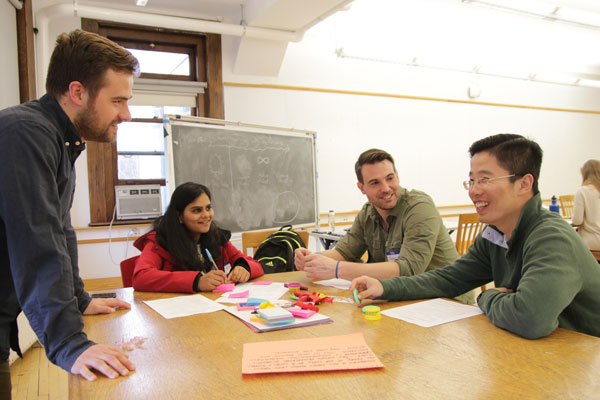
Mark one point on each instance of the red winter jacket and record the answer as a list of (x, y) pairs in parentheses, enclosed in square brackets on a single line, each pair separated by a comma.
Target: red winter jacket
[(155, 270)]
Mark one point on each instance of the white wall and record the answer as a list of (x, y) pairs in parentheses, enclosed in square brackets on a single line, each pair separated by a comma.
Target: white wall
[(429, 139), (9, 84)]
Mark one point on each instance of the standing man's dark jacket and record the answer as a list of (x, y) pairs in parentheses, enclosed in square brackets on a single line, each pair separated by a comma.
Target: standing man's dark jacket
[(38, 248)]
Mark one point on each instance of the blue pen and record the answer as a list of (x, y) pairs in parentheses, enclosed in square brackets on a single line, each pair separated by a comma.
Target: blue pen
[(214, 267)]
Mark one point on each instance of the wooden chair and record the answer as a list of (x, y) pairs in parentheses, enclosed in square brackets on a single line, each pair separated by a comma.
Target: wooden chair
[(469, 227), (254, 239), (596, 254), (566, 205), (127, 267)]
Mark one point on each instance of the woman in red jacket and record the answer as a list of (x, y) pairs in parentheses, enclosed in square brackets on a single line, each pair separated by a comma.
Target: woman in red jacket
[(174, 254)]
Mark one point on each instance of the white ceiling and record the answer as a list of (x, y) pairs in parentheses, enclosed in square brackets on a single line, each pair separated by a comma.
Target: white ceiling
[(270, 24), (380, 22)]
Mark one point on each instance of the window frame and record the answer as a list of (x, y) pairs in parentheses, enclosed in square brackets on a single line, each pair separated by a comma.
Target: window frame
[(207, 67)]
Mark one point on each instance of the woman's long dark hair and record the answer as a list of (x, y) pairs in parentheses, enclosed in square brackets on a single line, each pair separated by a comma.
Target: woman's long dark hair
[(173, 236)]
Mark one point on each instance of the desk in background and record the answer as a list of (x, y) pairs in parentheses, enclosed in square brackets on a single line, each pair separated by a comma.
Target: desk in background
[(201, 357), (327, 239)]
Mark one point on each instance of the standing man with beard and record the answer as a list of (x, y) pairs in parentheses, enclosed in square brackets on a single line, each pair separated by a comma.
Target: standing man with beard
[(89, 83), (402, 231)]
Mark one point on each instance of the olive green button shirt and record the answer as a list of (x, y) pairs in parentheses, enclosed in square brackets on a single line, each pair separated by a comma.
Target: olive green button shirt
[(415, 230)]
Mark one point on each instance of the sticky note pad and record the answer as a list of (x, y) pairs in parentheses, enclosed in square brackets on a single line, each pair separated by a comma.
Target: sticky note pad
[(245, 307), (254, 302), (300, 313), (274, 313)]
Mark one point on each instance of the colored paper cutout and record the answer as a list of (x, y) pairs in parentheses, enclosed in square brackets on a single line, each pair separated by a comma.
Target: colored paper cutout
[(226, 287), (239, 295)]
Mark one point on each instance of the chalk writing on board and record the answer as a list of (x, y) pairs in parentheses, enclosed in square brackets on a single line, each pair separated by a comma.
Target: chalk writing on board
[(258, 180)]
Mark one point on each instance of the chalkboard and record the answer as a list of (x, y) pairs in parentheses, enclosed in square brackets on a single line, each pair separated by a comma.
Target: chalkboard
[(258, 178)]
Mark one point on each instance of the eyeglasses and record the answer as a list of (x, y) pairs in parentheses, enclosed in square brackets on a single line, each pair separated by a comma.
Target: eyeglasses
[(483, 181)]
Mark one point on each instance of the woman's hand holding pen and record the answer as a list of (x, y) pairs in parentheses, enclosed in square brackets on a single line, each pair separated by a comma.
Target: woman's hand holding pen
[(239, 274), (211, 280)]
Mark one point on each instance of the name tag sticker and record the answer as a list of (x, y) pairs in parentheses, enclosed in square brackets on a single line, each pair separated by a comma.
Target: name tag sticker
[(392, 255)]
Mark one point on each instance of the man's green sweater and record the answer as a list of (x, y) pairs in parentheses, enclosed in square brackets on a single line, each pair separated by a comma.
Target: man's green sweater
[(555, 278)]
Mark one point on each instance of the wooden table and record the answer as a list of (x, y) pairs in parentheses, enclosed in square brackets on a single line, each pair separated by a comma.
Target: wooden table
[(200, 357)]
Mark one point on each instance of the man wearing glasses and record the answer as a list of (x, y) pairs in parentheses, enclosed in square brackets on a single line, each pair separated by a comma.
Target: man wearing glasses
[(544, 274), (402, 231)]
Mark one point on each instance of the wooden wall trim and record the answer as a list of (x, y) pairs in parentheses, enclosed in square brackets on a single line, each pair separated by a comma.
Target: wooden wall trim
[(25, 50), (403, 96), (214, 61)]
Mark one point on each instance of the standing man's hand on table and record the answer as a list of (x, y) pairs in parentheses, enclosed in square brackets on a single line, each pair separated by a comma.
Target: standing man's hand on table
[(368, 288), (105, 306), (108, 360)]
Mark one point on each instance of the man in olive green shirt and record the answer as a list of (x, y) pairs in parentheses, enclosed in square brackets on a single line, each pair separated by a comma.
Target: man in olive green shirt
[(402, 230), (544, 274)]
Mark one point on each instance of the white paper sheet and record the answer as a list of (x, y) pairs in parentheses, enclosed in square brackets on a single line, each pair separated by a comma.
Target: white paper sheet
[(182, 306), (270, 292), (336, 283), (433, 312)]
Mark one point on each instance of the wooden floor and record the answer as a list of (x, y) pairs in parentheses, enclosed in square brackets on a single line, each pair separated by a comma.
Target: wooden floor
[(34, 377)]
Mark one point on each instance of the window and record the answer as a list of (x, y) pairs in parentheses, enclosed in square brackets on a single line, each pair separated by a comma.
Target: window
[(141, 144), (186, 80)]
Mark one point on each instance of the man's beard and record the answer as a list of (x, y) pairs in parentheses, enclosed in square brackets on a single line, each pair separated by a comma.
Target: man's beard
[(88, 126)]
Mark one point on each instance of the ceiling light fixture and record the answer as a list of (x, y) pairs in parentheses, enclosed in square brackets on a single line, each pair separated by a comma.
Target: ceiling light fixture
[(543, 10), (141, 3), (497, 70)]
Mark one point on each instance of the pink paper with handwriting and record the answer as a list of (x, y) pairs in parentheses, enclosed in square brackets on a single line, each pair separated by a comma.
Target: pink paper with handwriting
[(333, 353)]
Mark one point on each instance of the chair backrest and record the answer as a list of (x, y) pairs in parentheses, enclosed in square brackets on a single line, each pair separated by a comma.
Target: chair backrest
[(566, 205), (596, 254), (468, 228), (127, 267), (254, 239)]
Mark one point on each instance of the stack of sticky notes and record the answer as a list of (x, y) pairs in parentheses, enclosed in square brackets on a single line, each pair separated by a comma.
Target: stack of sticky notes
[(275, 315)]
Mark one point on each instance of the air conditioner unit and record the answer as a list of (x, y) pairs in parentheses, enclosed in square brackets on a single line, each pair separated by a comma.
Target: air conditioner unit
[(138, 201)]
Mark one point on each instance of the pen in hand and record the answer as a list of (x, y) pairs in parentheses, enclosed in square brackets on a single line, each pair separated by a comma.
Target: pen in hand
[(214, 266)]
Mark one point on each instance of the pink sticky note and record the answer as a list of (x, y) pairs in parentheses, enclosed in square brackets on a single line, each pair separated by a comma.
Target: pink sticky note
[(262, 283), (239, 295), (300, 313), (226, 287)]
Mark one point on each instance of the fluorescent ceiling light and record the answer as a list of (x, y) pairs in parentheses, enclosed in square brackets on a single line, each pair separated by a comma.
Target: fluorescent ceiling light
[(555, 77), (589, 83), (523, 6), (141, 3), (544, 10), (579, 16), (508, 71)]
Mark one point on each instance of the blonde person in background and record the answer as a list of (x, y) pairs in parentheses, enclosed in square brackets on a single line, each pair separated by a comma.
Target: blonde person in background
[(586, 210)]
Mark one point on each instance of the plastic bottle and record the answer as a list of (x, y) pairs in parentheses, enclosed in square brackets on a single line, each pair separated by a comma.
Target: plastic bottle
[(554, 207), (331, 221)]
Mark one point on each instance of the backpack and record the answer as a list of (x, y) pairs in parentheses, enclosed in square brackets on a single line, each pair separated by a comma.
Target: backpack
[(276, 253)]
